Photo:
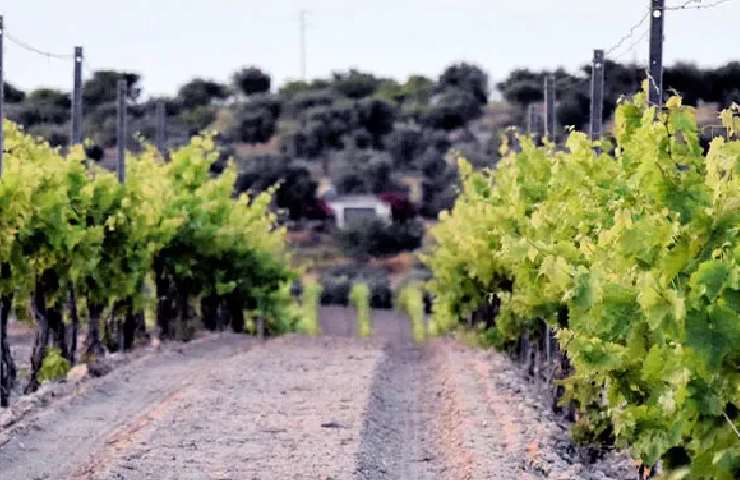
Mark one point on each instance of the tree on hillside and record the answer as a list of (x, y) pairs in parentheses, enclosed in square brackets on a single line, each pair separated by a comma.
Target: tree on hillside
[(574, 99), (440, 185), (103, 87), (405, 144), (252, 80), (412, 96), (725, 84), (390, 90), (99, 124), (296, 189), (11, 94), (376, 116), (364, 171), (466, 77), (451, 109), (44, 105), (199, 92), (294, 87), (375, 238), (324, 127), (522, 87), (355, 84), (301, 101), (255, 120), (417, 89), (56, 134), (195, 120)]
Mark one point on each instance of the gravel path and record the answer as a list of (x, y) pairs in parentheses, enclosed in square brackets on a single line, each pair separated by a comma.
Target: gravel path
[(401, 436), (333, 407)]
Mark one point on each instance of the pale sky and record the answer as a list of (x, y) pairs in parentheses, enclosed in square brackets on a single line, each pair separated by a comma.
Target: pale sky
[(169, 41)]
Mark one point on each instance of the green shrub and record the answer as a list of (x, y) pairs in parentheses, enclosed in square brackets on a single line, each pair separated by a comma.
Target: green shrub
[(54, 366), (377, 239), (337, 281), (359, 296), (411, 302), (282, 313), (309, 322)]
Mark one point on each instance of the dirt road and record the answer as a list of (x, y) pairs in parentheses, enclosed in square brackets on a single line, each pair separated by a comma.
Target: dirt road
[(331, 407)]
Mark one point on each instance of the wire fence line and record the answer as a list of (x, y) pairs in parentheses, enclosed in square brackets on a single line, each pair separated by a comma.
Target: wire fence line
[(686, 5), (88, 68), (633, 46), (613, 52), (630, 33), (698, 5), (626, 45), (609, 52), (38, 51)]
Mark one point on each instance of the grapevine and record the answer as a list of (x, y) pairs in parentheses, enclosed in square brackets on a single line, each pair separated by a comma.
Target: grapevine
[(77, 245), (633, 257)]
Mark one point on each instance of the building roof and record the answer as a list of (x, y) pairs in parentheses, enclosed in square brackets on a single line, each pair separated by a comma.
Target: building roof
[(356, 200)]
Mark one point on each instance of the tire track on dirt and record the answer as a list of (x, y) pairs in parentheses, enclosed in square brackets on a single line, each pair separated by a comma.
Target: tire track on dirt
[(329, 407), (123, 438), (403, 436), (54, 442), (291, 408)]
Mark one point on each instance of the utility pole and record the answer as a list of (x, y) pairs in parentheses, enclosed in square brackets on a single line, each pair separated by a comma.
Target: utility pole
[(2, 92), (530, 119), (77, 98), (655, 73), (549, 117), (161, 128), (302, 26), (597, 95), (4, 374), (121, 130)]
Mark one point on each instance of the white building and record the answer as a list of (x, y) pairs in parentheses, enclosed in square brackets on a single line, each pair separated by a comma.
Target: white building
[(359, 208)]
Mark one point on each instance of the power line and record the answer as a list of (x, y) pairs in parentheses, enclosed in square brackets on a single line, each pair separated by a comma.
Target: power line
[(698, 5), (684, 5), (30, 48), (629, 34), (633, 45)]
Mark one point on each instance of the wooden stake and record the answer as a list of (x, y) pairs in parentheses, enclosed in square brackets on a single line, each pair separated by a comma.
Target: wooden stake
[(549, 117), (655, 71), (76, 134), (121, 130), (597, 95)]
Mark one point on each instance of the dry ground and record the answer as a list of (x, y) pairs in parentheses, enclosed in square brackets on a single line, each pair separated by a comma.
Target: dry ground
[(330, 407)]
